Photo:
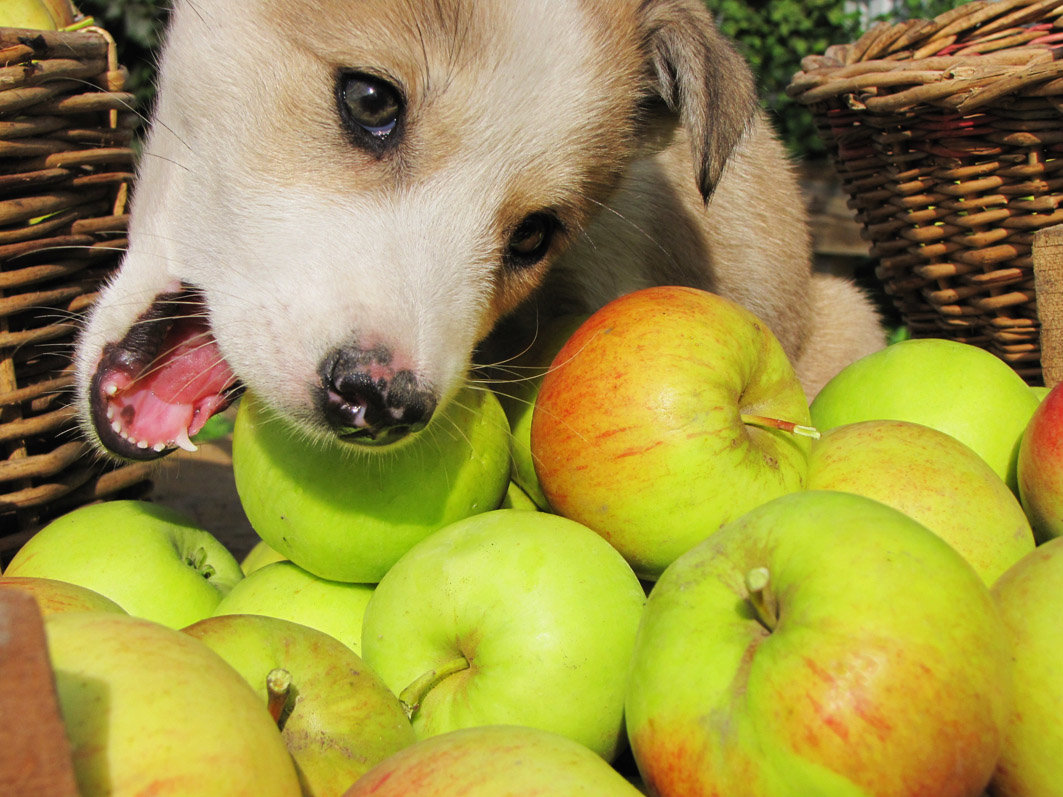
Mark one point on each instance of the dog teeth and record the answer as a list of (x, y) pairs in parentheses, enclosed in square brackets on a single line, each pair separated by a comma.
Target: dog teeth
[(182, 440)]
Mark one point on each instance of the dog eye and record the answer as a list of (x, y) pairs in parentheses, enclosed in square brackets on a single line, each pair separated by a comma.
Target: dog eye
[(531, 239), (371, 108)]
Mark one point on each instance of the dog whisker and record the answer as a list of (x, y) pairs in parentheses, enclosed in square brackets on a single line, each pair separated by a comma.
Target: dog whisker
[(509, 166), (136, 112)]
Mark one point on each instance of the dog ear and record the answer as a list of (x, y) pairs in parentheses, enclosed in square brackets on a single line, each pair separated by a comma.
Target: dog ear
[(699, 75)]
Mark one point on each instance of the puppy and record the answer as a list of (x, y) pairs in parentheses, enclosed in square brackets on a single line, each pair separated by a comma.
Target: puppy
[(340, 199)]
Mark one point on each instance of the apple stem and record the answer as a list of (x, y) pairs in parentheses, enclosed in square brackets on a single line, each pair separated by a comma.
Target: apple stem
[(278, 691), (758, 584), (778, 423), (412, 696), (198, 560)]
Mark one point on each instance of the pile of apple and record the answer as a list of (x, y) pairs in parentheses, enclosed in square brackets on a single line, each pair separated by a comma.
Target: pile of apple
[(856, 596)]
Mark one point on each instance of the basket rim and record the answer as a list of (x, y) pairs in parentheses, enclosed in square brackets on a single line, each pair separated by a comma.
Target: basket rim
[(964, 59)]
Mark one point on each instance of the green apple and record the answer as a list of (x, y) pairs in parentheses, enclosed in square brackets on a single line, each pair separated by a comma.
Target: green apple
[(954, 387), (1040, 466), (348, 515), (508, 617), (490, 761), (932, 477), (285, 590), (36, 14), (653, 425), (150, 710), (54, 596), (260, 555), (1030, 601), (517, 385), (516, 498), (151, 560), (337, 717), (823, 644)]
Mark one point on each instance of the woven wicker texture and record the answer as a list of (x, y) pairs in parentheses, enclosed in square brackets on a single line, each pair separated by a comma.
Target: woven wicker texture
[(65, 171), (947, 135)]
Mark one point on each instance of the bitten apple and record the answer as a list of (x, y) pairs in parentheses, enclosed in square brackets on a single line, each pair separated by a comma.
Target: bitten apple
[(1040, 466), (152, 561), (654, 425), (346, 515), (337, 717), (824, 643), (932, 477), (511, 617)]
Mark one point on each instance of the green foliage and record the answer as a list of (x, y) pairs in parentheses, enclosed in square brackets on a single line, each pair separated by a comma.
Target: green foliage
[(775, 35)]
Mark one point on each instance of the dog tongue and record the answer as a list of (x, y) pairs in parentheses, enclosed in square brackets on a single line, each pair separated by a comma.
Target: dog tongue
[(181, 389)]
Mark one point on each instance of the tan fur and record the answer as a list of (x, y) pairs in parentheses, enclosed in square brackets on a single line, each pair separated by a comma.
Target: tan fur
[(751, 241), (633, 122)]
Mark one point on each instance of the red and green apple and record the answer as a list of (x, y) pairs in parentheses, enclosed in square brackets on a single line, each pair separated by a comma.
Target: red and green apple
[(824, 643), (658, 422)]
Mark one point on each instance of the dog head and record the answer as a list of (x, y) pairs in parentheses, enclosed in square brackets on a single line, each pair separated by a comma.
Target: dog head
[(338, 200)]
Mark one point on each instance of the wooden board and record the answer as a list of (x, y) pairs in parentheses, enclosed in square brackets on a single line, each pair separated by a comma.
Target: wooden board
[(34, 751), (1048, 286)]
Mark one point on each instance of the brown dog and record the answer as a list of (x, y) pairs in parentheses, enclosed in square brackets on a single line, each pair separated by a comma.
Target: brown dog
[(340, 199)]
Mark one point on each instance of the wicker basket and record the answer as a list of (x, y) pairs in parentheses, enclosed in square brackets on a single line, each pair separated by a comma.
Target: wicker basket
[(947, 135), (65, 171)]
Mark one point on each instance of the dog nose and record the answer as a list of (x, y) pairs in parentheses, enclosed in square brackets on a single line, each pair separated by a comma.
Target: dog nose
[(368, 401)]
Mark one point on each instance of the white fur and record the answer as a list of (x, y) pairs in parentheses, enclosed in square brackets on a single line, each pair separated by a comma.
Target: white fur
[(249, 191)]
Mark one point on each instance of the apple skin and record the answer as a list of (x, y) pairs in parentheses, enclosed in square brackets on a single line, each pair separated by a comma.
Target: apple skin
[(36, 14), (541, 610), (1030, 601), (1040, 466), (54, 596), (343, 719), (150, 710), (516, 498), (152, 561), (932, 477), (348, 515), (518, 386), (640, 419), (887, 672), (954, 387), (494, 760), (260, 555), (285, 590)]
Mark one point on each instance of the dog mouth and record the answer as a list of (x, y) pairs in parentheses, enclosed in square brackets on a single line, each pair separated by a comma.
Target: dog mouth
[(156, 388)]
